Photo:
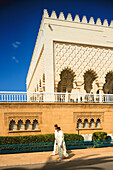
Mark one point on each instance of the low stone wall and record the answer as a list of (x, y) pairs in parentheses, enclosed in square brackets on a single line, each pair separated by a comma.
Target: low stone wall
[(65, 115)]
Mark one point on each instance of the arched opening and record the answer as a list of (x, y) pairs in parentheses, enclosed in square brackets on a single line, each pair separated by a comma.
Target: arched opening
[(85, 123), (92, 123), (37, 87), (20, 125), (40, 83), (12, 125), (89, 78), (79, 123), (35, 124), (108, 86), (43, 77), (66, 81), (27, 125), (98, 123)]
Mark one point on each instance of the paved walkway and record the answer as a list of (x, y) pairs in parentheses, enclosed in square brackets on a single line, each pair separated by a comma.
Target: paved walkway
[(42, 160)]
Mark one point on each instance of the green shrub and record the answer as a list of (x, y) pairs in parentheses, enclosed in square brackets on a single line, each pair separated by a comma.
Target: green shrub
[(99, 139), (99, 135), (37, 139), (26, 139), (73, 137)]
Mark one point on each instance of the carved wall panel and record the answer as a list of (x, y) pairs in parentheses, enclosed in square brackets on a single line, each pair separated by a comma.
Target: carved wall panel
[(81, 58)]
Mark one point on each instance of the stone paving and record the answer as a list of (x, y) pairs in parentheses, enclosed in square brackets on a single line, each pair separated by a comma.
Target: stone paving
[(43, 158)]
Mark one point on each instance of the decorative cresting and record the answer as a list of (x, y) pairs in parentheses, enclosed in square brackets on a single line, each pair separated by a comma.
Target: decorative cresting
[(108, 86), (89, 77), (76, 19), (81, 58), (66, 80)]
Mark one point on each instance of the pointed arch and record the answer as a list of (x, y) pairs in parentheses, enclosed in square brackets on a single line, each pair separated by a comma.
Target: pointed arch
[(108, 86), (92, 123), (67, 77), (98, 123), (89, 77), (44, 77), (85, 125), (12, 125), (20, 125), (35, 124), (79, 123), (27, 125)]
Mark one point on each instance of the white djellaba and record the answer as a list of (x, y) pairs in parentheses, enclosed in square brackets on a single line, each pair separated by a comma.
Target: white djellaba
[(55, 146), (61, 144)]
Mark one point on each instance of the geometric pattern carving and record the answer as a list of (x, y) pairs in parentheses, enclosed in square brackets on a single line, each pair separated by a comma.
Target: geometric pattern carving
[(81, 58)]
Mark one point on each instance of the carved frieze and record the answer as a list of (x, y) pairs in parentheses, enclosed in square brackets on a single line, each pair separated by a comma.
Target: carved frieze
[(81, 58)]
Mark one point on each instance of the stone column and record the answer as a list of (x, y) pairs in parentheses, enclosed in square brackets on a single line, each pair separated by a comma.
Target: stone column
[(24, 125), (100, 84), (56, 85), (16, 124), (94, 123), (79, 83), (88, 123), (82, 124)]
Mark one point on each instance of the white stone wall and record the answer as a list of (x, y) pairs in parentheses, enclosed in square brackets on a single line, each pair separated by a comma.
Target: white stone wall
[(38, 74), (78, 44)]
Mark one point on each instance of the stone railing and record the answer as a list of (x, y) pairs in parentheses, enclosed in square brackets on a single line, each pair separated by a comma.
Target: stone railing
[(55, 97)]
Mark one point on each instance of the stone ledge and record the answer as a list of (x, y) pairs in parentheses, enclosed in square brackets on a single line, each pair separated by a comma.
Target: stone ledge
[(18, 131), (89, 128)]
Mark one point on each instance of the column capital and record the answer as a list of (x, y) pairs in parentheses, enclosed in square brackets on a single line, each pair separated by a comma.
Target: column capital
[(100, 83), (79, 83)]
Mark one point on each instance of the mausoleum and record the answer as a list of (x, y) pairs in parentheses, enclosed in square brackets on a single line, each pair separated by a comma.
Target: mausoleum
[(69, 81), (73, 56)]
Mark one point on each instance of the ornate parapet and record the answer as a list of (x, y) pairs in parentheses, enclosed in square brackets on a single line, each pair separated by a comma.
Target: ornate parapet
[(77, 19)]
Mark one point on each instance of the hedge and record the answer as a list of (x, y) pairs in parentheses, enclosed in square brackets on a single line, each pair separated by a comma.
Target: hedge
[(37, 139), (73, 137), (99, 135)]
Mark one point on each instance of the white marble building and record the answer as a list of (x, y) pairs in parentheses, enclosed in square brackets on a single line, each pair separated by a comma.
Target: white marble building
[(72, 56)]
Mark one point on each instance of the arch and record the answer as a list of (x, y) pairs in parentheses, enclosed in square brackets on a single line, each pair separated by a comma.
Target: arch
[(20, 125), (79, 123), (66, 80), (43, 77), (98, 123), (37, 87), (40, 83), (27, 125), (92, 123), (85, 125), (35, 124), (89, 77), (108, 86), (12, 125)]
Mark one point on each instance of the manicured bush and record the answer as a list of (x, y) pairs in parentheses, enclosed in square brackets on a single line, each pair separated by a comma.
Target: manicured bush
[(73, 137), (27, 139), (99, 139), (37, 139), (99, 135)]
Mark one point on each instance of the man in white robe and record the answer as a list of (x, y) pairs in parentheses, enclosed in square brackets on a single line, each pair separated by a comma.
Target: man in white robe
[(55, 146), (61, 144)]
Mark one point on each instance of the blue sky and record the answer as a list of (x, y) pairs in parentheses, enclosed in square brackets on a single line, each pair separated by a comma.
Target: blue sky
[(19, 24)]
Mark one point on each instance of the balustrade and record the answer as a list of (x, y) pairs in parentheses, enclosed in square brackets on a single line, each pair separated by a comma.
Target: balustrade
[(55, 97)]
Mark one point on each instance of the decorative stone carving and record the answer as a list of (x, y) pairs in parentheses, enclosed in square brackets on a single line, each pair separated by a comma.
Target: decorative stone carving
[(81, 58), (22, 116)]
